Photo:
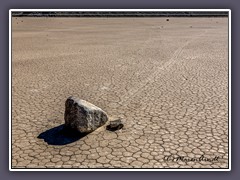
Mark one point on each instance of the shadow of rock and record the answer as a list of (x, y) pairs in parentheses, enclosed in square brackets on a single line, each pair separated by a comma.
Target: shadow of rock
[(61, 135)]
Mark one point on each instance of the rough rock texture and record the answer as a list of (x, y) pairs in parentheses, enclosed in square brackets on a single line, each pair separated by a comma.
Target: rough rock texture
[(115, 125), (83, 116)]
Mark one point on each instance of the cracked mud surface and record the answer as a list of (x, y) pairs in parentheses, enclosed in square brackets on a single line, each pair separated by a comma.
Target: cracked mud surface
[(167, 79)]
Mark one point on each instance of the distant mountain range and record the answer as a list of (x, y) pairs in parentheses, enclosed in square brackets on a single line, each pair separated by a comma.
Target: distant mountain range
[(120, 14)]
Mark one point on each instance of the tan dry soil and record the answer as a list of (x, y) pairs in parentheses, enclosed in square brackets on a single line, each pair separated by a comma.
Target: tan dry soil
[(167, 79)]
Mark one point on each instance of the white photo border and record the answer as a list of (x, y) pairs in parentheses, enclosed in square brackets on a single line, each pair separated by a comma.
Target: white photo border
[(116, 169)]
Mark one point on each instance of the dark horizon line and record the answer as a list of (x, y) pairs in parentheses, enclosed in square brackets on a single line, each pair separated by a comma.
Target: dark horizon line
[(121, 14)]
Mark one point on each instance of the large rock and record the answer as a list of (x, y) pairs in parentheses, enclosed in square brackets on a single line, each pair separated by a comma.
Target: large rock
[(83, 116)]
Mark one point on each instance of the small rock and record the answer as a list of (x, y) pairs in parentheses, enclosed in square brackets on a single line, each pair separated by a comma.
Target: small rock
[(83, 116), (115, 125), (167, 19)]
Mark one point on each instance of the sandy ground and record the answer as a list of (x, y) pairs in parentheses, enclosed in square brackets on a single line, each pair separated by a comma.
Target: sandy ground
[(168, 80)]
